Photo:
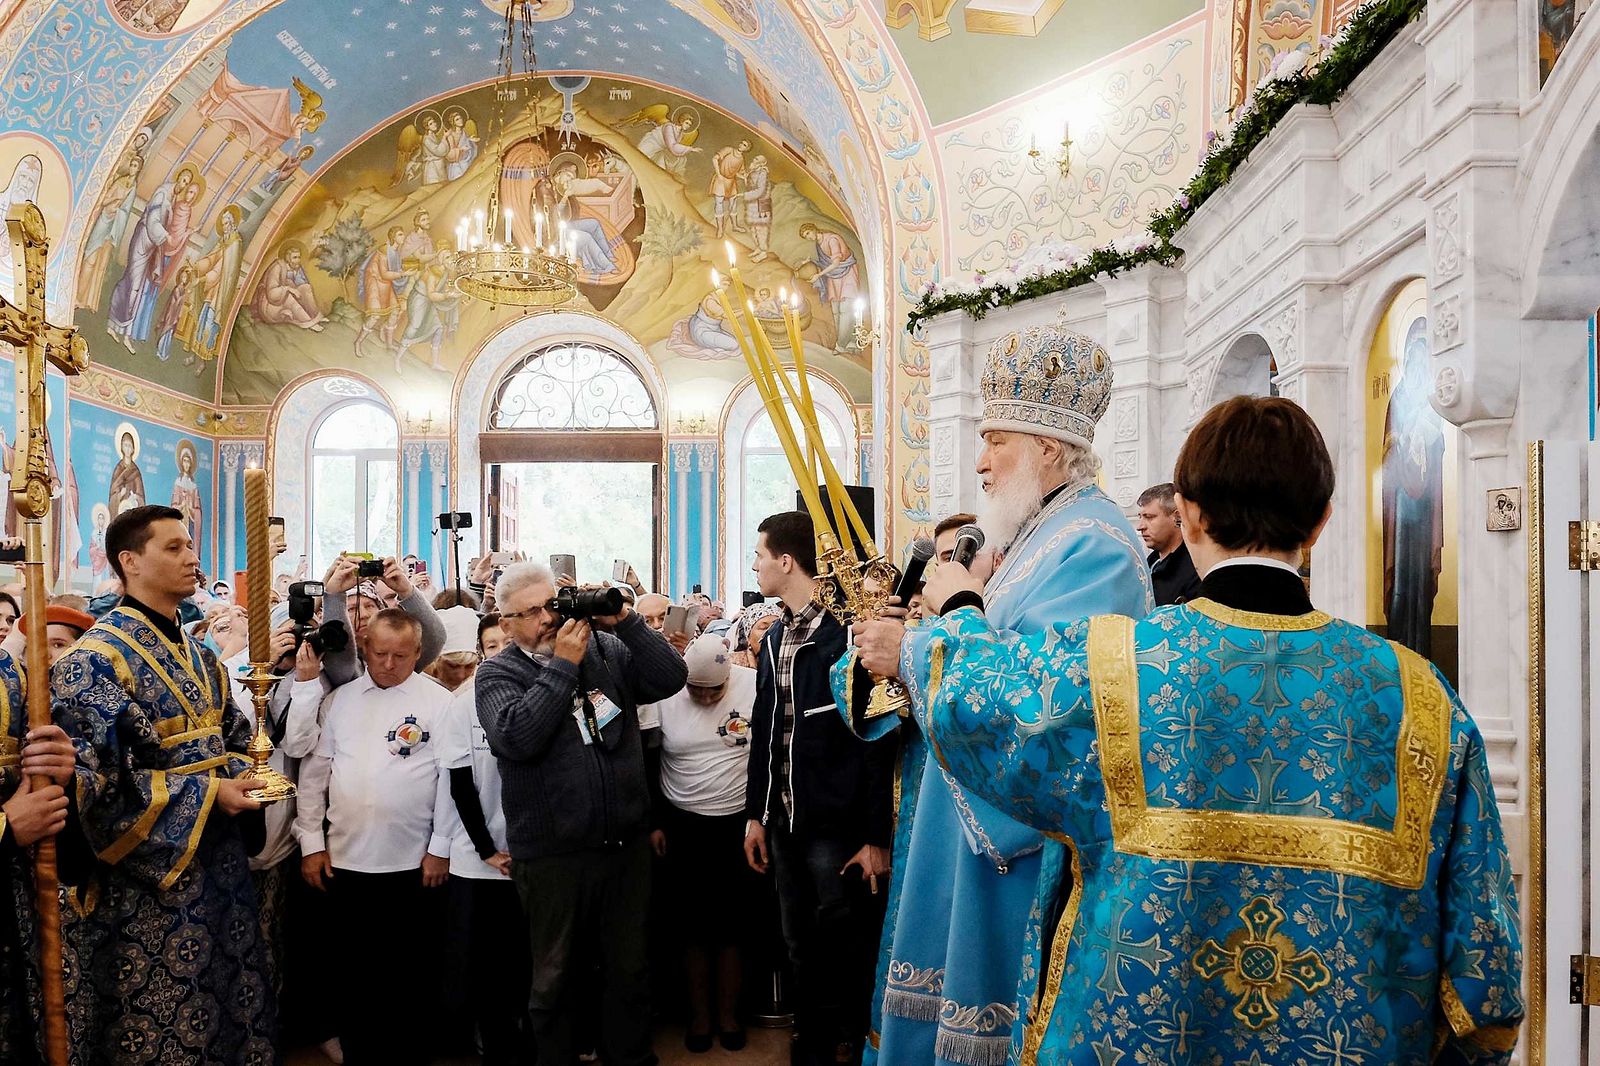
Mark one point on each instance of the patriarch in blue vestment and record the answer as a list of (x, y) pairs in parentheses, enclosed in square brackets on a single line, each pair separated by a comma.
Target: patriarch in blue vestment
[(1281, 831), (962, 902)]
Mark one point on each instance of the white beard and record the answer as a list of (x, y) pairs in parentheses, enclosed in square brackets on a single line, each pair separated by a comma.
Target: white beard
[(1006, 507)]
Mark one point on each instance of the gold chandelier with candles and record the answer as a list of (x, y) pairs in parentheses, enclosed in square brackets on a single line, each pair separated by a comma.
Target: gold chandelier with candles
[(853, 585), (488, 266)]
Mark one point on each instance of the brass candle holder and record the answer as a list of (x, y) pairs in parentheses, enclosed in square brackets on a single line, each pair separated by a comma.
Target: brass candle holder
[(274, 786)]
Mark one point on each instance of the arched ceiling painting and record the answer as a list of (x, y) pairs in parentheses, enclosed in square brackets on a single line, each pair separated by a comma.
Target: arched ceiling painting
[(263, 146), (286, 274)]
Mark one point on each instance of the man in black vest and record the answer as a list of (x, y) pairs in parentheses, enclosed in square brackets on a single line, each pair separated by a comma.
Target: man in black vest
[(1171, 570)]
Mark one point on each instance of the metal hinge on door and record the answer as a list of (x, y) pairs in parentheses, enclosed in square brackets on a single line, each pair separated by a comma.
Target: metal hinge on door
[(1586, 980), (1583, 546)]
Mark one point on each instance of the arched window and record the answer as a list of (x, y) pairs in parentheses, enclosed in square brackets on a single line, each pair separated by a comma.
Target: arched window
[(572, 455), (768, 484), (573, 385), (354, 481)]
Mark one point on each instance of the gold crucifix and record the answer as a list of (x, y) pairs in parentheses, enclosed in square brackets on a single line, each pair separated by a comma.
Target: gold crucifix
[(23, 326)]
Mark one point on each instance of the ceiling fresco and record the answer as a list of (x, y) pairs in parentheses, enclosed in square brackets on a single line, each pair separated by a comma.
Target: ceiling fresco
[(82, 76), (203, 257)]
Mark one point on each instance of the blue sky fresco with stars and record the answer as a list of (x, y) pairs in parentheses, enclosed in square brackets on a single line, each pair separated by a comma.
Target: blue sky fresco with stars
[(378, 58)]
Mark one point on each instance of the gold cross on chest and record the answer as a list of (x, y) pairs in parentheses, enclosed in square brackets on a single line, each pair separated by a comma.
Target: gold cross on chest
[(23, 325)]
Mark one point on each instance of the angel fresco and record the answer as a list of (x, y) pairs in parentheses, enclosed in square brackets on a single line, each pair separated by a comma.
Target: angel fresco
[(461, 142), (671, 138), (422, 155)]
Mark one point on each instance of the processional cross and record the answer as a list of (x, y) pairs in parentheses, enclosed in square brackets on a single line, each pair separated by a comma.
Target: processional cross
[(23, 326)]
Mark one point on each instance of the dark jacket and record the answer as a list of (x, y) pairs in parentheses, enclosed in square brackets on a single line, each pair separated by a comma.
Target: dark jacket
[(842, 786), (561, 795), (1174, 578)]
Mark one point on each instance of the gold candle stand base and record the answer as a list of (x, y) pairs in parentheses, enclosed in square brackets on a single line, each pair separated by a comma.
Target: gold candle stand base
[(274, 786), (888, 697)]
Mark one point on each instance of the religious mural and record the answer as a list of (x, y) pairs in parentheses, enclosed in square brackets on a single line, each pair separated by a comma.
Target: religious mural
[(31, 169), (124, 461), (1411, 510), (647, 186)]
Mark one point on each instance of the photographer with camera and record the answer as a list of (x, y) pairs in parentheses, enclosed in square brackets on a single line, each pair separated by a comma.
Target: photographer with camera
[(346, 576), (560, 710)]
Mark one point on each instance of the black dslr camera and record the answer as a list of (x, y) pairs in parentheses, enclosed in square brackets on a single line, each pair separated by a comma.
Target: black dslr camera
[(329, 636), (574, 602)]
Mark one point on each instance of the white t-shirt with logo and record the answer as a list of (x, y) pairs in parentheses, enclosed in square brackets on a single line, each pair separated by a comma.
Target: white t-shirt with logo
[(464, 743), (383, 747), (704, 748)]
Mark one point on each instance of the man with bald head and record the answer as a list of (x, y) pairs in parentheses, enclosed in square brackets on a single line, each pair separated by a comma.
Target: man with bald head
[(374, 778)]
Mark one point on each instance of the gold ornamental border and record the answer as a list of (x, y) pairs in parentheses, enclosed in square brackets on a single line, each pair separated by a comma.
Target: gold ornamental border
[(1536, 705)]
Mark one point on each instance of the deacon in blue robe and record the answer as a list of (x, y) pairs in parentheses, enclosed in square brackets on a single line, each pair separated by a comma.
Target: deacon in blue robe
[(1281, 834), (966, 874), (169, 946)]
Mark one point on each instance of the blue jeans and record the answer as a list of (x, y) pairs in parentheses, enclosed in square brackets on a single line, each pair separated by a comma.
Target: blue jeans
[(831, 923)]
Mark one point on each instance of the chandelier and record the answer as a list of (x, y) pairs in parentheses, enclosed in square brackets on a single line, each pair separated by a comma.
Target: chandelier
[(489, 265)]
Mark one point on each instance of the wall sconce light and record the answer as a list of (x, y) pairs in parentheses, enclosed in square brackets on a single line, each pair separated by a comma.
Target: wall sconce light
[(691, 425), (863, 338), (1060, 157)]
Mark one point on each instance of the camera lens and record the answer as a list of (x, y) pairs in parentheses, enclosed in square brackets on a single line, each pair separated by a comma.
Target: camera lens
[(588, 603)]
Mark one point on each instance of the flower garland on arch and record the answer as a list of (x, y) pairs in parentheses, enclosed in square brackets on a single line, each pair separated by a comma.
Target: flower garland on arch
[(1294, 78)]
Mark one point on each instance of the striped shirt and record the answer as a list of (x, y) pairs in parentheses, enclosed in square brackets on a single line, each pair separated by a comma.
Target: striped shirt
[(798, 627)]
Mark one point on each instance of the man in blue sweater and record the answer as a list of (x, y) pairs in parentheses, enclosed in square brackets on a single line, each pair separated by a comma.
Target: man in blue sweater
[(559, 708)]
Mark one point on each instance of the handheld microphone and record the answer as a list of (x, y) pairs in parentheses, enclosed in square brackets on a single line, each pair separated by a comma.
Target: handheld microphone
[(921, 552), (968, 540)]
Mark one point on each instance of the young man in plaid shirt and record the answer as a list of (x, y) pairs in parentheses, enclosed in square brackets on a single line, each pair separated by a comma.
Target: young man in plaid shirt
[(819, 804)]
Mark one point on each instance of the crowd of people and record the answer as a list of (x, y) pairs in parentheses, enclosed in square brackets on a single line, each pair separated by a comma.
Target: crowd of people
[(1142, 801)]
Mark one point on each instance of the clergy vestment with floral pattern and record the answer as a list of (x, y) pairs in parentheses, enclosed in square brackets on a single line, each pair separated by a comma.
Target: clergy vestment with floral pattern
[(965, 874), (20, 1006), (1281, 830), (167, 937)]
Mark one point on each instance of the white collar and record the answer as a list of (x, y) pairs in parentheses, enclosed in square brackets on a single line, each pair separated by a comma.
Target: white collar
[(1253, 560)]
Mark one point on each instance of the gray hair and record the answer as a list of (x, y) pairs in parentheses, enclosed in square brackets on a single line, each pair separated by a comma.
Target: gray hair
[(518, 577)]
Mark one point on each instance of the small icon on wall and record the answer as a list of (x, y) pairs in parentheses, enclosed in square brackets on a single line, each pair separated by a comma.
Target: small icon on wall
[(1504, 510)]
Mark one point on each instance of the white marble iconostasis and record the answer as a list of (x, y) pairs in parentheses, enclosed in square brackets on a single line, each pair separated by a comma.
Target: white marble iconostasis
[(1444, 186)]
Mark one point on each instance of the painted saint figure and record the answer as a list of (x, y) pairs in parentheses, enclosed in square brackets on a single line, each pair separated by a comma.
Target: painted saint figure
[(217, 277), (726, 168), (23, 187), (837, 278), (668, 145), (108, 232), (127, 480), (284, 296), (758, 207), (431, 307), (382, 276), (145, 254), (461, 140), (186, 492), (1413, 500)]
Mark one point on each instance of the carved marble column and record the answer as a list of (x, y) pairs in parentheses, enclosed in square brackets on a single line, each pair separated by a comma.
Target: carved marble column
[(1471, 144), (955, 406), (1143, 334)]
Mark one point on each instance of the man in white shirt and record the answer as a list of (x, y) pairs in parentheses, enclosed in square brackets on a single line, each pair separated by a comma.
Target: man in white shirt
[(374, 776)]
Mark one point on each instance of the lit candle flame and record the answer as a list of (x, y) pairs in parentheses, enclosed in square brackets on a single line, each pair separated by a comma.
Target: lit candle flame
[(727, 246), (716, 279)]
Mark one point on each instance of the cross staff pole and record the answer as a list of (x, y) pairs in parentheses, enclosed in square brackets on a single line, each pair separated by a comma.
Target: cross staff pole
[(23, 326)]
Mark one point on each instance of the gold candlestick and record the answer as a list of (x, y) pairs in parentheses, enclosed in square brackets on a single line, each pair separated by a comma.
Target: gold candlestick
[(258, 546)]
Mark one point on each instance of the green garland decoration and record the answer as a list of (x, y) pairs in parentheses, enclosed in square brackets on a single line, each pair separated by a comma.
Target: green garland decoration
[(1369, 30)]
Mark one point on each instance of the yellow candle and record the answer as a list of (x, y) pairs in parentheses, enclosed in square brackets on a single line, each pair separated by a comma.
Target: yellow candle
[(780, 421), (791, 319), (845, 515), (259, 556)]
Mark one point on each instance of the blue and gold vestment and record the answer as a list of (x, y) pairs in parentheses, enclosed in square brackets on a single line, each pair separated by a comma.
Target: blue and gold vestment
[(167, 933), (19, 984), (1281, 829), (965, 874)]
